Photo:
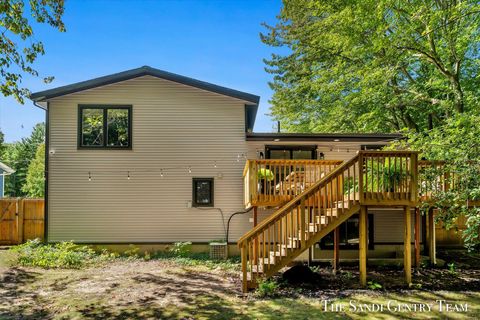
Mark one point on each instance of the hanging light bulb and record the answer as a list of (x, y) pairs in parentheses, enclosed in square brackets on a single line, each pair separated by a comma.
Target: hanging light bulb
[(189, 169), (89, 176), (215, 164), (128, 175), (161, 172)]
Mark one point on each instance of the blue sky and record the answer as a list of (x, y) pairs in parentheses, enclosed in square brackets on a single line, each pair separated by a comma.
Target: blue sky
[(215, 41)]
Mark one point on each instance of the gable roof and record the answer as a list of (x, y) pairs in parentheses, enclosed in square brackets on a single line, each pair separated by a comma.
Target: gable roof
[(140, 72), (6, 169)]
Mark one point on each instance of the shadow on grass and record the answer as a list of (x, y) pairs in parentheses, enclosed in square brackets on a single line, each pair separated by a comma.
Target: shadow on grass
[(15, 301)]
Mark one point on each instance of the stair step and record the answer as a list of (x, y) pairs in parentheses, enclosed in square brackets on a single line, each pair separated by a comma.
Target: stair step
[(313, 227), (257, 268), (280, 253), (343, 204), (266, 260), (324, 220)]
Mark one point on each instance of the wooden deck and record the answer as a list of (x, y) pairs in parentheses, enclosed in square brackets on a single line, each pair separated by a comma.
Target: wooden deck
[(313, 197)]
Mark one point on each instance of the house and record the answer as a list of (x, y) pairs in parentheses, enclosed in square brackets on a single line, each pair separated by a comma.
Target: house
[(150, 157), (4, 171)]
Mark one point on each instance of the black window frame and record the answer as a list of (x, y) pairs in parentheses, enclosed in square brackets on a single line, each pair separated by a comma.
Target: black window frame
[(291, 149), (370, 235), (105, 108), (194, 193)]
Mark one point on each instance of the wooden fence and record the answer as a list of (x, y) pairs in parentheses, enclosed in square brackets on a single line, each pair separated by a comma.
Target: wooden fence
[(21, 220)]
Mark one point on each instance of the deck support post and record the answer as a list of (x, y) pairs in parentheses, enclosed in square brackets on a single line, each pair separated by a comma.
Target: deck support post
[(243, 253), (336, 249), (407, 245), (255, 243), (417, 238), (363, 245), (431, 238)]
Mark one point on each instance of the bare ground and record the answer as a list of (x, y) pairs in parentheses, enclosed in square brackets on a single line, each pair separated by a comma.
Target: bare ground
[(164, 289)]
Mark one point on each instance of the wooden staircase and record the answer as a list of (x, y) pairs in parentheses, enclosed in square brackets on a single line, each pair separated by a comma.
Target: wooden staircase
[(317, 211)]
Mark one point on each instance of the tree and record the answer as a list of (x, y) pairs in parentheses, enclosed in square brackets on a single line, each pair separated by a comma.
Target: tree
[(18, 46), (373, 65), (35, 182), (456, 145), (2, 140), (18, 156)]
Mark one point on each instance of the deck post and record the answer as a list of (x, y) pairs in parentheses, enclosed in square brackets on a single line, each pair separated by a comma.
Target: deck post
[(407, 245), (362, 245), (431, 238), (336, 249), (417, 238), (255, 243), (243, 253)]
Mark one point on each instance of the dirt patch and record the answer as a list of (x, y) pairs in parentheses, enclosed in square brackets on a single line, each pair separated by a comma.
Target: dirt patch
[(166, 289)]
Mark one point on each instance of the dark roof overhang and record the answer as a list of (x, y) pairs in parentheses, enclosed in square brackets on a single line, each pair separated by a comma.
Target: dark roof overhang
[(330, 137), (139, 72)]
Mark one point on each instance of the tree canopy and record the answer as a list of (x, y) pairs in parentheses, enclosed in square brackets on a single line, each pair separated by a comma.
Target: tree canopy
[(19, 47), (18, 156), (35, 181), (370, 66)]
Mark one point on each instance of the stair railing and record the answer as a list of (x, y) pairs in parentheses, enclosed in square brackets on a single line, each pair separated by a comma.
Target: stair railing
[(289, 228), (371, 177)]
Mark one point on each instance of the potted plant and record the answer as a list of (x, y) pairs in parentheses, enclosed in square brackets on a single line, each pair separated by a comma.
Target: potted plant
[(264, 176)]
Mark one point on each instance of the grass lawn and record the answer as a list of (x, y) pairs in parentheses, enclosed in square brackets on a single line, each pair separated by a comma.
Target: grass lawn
[(170, 289)]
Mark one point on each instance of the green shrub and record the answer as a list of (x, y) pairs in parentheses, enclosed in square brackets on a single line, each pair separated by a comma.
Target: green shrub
[(267, 288), (372, 285), (66, 255), (132, 252), (180, 249), (452, 268)]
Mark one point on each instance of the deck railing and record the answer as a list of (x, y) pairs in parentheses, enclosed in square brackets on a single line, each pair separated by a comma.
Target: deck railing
[(387, 176), (273, 182)]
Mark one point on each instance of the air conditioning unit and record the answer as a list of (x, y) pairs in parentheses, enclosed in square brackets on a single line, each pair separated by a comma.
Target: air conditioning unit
[(218, 250)]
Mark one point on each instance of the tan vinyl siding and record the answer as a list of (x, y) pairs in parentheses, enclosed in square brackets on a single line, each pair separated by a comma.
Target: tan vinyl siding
[(173, 125)]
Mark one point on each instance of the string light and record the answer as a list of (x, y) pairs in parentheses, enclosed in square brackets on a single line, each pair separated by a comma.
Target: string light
[(128, 175), (189, 169), (89, 176), (161, 173), (215, 164)]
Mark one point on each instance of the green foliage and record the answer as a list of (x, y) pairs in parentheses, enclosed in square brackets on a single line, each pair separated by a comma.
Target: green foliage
[(456, 143), (265, 174), (373, 65), (372, 285), (132, 252), (2, 140), (267, 288), (35, 182), (180, 249), (66, 255), (19, 47), (18, 156), (452, 268)]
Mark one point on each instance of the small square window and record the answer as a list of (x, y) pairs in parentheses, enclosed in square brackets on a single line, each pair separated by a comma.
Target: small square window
[(202, 192)]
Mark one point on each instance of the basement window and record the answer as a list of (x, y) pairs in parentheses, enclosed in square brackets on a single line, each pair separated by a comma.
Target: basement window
[(105, 127), (202, 192), (349, 235)]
